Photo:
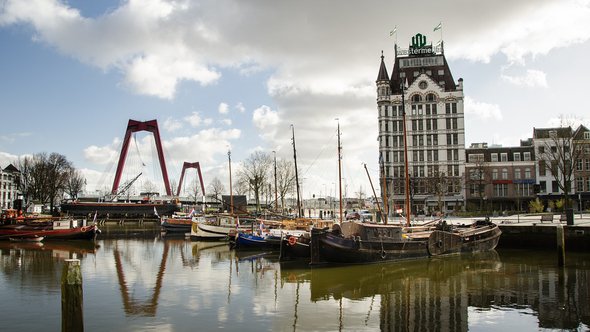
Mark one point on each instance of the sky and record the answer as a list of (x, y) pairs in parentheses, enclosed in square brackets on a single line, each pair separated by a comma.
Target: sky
[(241, 76)]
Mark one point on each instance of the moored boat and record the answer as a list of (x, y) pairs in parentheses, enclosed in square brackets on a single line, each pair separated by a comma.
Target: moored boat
[(63, 229), (218, 227), (358, 243), (120, 209), (178, 222), (267, 239), (295, 247)]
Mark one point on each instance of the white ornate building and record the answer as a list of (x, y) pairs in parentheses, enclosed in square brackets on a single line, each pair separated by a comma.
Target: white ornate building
[(435, 129), (8, 187)]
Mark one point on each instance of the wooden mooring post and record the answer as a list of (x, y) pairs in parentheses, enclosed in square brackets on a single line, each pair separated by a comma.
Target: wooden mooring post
[(560, 245), (71, 296)]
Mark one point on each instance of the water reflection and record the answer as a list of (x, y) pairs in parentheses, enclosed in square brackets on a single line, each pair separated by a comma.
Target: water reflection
[(436, 294), (172, 283), (28, 261)]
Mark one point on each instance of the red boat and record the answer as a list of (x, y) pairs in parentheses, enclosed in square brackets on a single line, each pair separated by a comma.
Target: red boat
[(57, 230)]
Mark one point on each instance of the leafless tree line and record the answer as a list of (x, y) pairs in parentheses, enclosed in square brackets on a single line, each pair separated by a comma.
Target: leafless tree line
[(45, 178)]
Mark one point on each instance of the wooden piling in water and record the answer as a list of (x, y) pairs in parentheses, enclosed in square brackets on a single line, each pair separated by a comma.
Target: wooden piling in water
[(71, 296), (560, 246)]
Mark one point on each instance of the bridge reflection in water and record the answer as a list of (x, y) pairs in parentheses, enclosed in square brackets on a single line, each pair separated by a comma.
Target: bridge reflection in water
[(176, 284)]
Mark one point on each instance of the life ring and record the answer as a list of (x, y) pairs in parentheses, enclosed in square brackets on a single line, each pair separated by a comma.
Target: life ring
[(84, 228), (292, 240)]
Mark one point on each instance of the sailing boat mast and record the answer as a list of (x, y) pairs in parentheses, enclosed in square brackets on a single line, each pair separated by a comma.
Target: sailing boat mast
[(231, 194), (296, 175), (276, 194), (407, 174), (374, 194), (340, 170), (384, 186)]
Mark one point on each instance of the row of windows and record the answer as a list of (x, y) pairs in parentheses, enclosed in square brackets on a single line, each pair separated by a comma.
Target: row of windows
[(418, 125), (503, 189), (6, 186), (417, 140), (427, 186), (516, 156), (430, 108), (427, 61), (480, 174), (423, 171)]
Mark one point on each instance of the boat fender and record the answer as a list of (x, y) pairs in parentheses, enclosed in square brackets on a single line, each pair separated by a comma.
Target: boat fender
[(292, 240), (84, 228)]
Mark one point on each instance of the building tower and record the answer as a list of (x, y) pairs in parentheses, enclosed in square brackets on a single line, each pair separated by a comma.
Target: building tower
[(435, 129)]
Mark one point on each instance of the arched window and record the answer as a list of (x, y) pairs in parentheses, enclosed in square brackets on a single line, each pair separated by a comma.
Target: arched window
[(416, 98), (431, 97)]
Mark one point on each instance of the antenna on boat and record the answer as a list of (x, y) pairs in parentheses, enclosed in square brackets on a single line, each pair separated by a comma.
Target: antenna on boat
[(296, 175), (374, 194), (404, 85), (340, 169)]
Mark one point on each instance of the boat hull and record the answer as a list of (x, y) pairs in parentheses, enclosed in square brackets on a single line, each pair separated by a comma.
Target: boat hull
[(330, 247), (113, 209), (295, 248), (75, 233), (253, 241), (218, 228), (176, 225)]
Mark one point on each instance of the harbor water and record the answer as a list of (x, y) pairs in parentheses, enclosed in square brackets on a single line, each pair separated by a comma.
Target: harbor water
[(173, 284)]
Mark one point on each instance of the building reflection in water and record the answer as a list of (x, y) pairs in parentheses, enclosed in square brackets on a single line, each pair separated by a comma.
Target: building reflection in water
[(208, 281), (28, 262), (436, 294)]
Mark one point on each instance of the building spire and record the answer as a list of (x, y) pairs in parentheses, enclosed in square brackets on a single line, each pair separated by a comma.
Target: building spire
[(383, 75)]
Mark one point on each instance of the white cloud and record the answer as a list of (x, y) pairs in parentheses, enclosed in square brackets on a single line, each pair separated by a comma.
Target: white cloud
[(102, 155), (194, 119), (226, 122), (482, 110), (172, 125), (7, 158), (264, 117), (532, 78), (240, 107), (158, 44), (223, 108)]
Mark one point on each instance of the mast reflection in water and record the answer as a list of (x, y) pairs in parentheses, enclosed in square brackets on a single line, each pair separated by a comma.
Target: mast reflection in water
[(175, 284)]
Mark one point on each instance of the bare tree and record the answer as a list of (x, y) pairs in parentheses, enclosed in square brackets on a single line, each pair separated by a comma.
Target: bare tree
[(44, 177), (240, 187), (285, 179), (560, 154), (439, 185), (194, 190), (75, 183), (255, 170), (148, 187), (479, 177), (216, 188), (24, 165)]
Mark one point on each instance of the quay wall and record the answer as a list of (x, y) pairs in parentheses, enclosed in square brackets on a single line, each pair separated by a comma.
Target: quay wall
[(544, 236)]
